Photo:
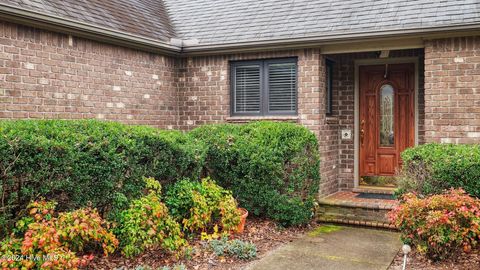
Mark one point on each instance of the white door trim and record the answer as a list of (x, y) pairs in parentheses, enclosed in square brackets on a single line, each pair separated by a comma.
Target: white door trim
[(366, 62)]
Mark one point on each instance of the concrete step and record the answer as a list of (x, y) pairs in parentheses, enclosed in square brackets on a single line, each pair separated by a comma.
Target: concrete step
[(346, 207)]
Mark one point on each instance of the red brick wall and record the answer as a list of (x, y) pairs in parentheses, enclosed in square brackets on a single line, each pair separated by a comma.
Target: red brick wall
[(344, 106), (49, 75), (204, 97), (452, 90), (46, 75)]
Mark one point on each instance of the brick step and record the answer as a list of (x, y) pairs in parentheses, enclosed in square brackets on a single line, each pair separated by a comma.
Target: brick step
[(366, 189), (346, 208)]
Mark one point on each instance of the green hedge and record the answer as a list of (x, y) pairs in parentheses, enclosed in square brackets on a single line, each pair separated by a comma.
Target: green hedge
[(88, 162), (432, 168), (272, 168)]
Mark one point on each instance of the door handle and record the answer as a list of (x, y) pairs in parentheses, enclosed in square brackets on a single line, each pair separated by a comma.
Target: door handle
[(362, 131)]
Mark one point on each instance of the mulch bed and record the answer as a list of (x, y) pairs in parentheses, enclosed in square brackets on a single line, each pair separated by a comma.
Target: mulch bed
[(415, 261), (265, 234)]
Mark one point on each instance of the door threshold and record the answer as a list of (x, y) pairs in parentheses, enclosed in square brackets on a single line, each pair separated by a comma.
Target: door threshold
[(374, 189)]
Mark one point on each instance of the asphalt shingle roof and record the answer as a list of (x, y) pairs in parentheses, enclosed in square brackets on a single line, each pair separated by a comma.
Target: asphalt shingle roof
[(232, 21), (147, 18)]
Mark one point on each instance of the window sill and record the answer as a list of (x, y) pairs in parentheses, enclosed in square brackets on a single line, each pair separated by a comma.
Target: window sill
[(244, 119)]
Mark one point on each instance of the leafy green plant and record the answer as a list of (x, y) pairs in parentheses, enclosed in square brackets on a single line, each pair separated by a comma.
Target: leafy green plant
[(86, 162), (52, 242), (199, 206), (147, 224), (272, 168), (439, 225), (433, 168), (237, 248)]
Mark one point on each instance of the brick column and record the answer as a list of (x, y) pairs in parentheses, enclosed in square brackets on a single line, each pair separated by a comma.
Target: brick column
[(452, 90)]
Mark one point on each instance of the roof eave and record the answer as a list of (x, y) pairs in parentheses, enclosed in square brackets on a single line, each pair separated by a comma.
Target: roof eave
[(318, 41), (72, 27)]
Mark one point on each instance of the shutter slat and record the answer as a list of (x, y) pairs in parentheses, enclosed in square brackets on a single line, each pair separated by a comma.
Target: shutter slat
[(247, 89), (282, 85)]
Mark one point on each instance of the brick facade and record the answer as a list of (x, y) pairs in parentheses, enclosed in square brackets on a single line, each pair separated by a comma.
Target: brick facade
[(452, 90), (344, 106), (204, 97), (51, 75)]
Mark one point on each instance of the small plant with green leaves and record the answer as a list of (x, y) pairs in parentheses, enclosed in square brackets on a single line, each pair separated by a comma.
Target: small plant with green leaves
[(235, 248), (147, 224), (200, 206)]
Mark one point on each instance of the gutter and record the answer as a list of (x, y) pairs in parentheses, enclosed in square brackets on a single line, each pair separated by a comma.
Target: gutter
[(81, 29)]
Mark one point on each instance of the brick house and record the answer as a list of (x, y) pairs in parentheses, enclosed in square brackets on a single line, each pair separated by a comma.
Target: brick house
[(369, 78)]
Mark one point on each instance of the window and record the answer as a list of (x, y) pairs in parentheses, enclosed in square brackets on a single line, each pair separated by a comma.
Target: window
[(328, 85), (386, 115), (264, 87)]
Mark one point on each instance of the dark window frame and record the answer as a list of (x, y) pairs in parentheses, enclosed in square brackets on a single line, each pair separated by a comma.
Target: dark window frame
[(329, 86), (264, 86)]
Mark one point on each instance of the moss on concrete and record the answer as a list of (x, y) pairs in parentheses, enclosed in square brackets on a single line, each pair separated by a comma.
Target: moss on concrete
[(323, 229)]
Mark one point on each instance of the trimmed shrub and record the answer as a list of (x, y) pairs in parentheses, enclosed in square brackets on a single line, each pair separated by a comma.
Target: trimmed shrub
[(272, 168), (201, 206), (147, 224), (433, 168), (440, 225), (87, 162)]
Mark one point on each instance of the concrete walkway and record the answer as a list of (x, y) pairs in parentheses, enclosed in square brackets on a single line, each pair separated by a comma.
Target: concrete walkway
[(334, 247)]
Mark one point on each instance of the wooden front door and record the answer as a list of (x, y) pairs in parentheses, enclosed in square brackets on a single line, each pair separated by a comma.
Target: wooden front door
[(387, 117)]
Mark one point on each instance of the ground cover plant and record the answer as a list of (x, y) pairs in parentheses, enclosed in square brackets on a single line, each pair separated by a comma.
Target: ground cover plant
[(238, 248)]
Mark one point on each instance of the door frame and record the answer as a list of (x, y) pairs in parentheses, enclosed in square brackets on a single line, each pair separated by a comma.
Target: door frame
[(356, 113)]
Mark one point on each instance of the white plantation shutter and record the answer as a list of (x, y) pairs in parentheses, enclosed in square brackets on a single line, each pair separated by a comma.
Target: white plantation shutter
[(282, 87), (247, 89), (264, 87)]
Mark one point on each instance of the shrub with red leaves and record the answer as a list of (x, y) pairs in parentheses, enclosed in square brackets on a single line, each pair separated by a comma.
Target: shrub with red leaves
[(45, 241), (440, 225)]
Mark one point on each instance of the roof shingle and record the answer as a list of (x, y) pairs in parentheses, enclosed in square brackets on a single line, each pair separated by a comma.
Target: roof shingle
[(231, 21), (147, 18)]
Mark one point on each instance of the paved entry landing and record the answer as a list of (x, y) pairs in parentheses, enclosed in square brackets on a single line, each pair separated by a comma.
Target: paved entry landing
[(334, 247), (352, 208)]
